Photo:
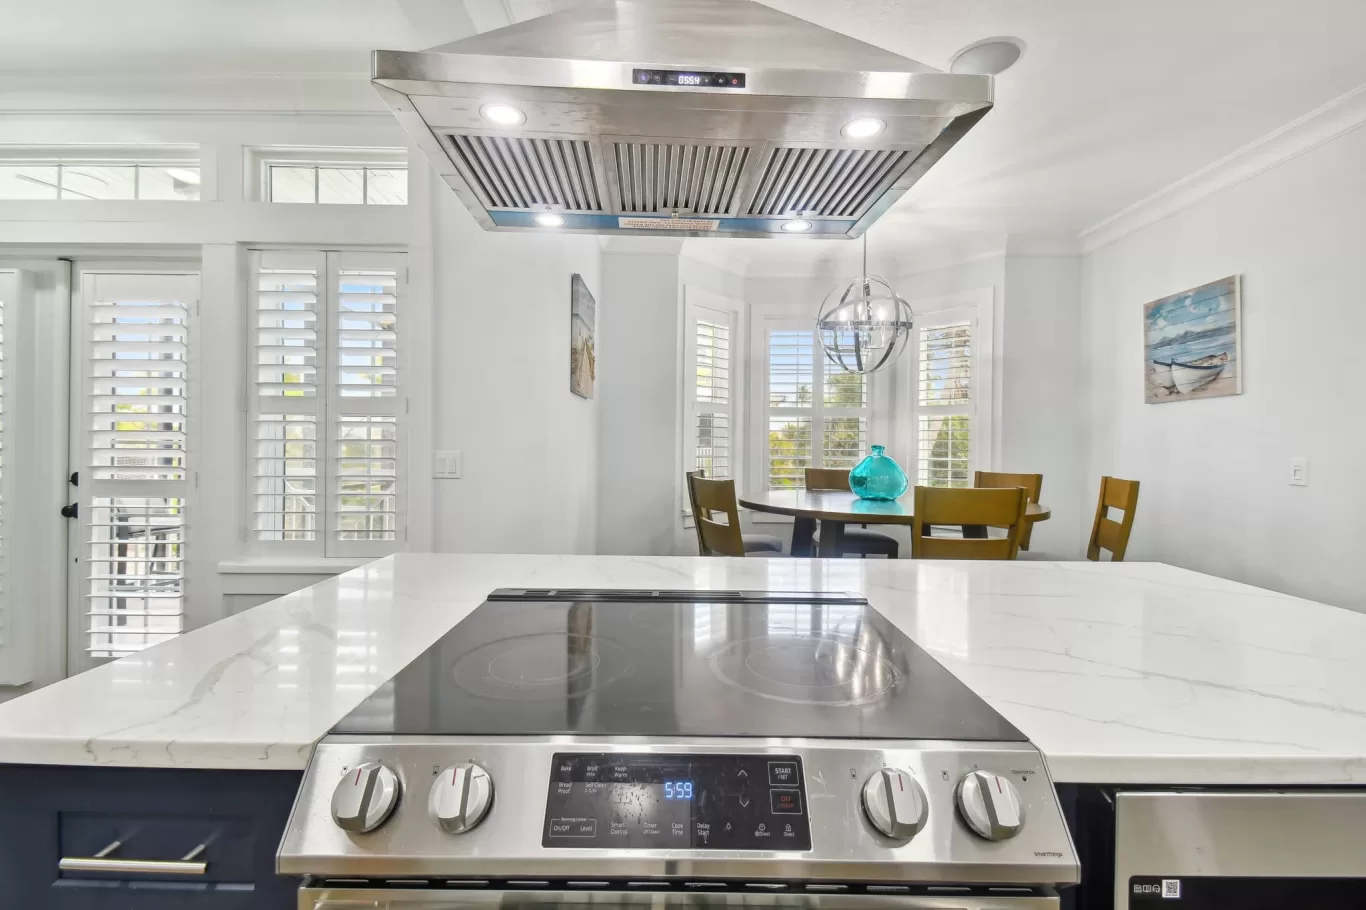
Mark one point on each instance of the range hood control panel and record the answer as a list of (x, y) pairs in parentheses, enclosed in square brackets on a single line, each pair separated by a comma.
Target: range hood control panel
[(688, 78)]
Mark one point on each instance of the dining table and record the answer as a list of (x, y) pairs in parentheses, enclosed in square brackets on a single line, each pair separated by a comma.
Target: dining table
[(834, 509)]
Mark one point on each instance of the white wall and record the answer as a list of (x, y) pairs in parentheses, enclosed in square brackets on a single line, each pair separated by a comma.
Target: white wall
[(501, 315), (1214, 495), (1039, 389), (639, 366)]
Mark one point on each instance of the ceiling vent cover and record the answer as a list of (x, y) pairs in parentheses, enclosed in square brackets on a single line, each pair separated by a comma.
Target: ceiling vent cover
[(669, 177), (521, 173), (831, 182)]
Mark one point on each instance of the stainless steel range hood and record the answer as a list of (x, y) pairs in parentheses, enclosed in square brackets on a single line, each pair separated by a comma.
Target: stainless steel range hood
[(720, 118)]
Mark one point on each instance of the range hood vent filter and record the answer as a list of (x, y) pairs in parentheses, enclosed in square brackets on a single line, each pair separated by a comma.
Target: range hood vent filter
[(826, 182), (521, 173), (660, 177)]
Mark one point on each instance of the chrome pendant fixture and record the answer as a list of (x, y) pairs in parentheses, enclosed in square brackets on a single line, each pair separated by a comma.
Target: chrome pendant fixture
[(867, 327)]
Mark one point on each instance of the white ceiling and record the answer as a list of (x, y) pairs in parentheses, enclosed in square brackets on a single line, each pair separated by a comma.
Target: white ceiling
[(1113, 99)]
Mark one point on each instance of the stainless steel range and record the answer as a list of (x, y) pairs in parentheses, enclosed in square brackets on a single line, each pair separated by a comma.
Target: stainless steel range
[(660, 748)]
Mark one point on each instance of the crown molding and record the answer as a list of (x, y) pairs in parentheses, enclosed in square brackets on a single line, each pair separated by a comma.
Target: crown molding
[(1321, 125)]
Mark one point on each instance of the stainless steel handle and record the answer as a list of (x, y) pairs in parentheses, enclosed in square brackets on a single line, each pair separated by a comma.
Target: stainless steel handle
[(103, 862)]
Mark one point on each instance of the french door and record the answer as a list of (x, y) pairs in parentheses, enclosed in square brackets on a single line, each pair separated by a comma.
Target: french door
[(95, 459), (130, 450)]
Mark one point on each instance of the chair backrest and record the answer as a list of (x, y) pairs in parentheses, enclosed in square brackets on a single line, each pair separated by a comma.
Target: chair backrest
[(999, 508), (1033, 486), (827, 479), (711, 499), (692, 503), (1106, 533)]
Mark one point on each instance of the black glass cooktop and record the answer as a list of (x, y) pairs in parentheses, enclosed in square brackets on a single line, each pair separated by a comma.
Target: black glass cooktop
[(607, 663)]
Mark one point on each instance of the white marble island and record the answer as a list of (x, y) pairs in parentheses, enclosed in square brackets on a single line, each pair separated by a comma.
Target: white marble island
[(1121, 673)]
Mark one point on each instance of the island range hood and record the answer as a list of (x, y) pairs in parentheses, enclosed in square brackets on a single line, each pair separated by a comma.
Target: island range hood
[(719, 118)]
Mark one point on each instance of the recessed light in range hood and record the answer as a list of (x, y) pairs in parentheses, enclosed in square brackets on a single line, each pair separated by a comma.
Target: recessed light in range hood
[(721, 118)]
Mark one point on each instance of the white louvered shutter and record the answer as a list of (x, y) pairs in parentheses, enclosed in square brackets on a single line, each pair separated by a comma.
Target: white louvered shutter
[(135, 481), (945, 403), (711, 408), (327, 410), (816, 415), (286, 370), (366, 409)]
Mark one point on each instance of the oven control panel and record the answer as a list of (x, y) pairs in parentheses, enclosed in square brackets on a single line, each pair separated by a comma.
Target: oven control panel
[(653, 801)]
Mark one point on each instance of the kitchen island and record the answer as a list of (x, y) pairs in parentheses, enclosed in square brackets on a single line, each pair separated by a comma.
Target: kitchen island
[(1133, 673), (1122, 674)]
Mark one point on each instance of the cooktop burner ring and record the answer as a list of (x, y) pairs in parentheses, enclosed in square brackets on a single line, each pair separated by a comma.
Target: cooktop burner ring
[(528, 667), (806, 670)]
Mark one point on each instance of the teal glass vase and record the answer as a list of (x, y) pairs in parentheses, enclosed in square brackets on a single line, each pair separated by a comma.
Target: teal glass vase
[(878, 477)]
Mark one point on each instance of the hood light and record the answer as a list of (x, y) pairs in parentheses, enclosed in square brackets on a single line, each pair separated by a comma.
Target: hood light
[(502, 114), (797, 226), (550, 219), (863, 128)]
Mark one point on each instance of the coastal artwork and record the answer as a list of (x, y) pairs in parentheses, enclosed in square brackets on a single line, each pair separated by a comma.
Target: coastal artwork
[(583, 361), (1192, 344)]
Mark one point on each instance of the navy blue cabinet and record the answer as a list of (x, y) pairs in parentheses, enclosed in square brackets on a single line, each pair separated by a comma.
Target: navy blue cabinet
[(230, 821)]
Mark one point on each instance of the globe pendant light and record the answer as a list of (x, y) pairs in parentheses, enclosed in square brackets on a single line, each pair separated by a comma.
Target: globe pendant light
[(867, 327)]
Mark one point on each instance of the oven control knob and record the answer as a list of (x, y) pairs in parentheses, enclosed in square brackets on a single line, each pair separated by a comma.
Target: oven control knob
[(460, 798), (990, 804), (365, 797), (894, 803)]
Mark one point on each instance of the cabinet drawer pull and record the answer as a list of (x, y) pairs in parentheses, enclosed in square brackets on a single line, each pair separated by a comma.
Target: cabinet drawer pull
[(103, 862)]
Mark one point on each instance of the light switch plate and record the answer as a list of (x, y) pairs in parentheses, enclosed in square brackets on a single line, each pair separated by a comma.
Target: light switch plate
[(1299, 472), (448, 465)]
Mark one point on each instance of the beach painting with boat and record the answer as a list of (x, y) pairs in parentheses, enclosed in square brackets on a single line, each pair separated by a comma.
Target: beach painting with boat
[(1192, 344)]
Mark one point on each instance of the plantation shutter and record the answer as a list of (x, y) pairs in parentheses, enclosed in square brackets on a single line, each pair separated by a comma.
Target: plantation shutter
[(805, 427), (286, 294), (364, 405), (945, 403), (711, 412), (327, 410), (135, 476)]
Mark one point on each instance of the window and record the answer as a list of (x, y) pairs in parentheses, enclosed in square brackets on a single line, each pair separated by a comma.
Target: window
[(338, 185), (710, 411), (944, 405), (327, 411), (117, 173), (321, 176), (134, 432), (949, 383), (814, 414)]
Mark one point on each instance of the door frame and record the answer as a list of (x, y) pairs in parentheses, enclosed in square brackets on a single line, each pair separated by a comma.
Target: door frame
[(37, 373)]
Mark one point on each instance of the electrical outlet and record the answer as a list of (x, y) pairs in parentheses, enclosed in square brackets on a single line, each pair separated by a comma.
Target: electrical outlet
[(1299, 472), (448, 465)]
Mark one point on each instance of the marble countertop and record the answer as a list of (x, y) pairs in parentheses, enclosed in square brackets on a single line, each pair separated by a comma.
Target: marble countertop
[(1121, 673)]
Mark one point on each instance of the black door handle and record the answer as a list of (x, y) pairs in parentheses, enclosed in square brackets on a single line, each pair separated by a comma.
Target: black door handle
[(71, 510)]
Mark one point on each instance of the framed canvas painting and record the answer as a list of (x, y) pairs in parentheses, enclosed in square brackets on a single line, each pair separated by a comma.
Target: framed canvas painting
[(1192, 344), (583, 361)]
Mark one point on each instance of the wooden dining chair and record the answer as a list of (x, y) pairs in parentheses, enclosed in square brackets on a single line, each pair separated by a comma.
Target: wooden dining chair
[(710, 499), (856, 540), (1106, 533), (988, 508), (1032, 484)]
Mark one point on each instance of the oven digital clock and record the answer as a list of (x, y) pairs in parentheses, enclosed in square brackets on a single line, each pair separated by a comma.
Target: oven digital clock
[(688, 79)]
